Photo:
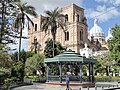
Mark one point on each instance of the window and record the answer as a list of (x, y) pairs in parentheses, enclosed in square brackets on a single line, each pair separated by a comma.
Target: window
[(66, 18), (81, 35), (35, 27), (66, 36), (93, 49), (77, 18)]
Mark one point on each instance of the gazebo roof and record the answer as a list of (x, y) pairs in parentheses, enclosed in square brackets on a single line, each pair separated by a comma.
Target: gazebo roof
[(70, 56)]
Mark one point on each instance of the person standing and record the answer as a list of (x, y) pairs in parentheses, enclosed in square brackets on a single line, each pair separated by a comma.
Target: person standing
[(67, 82)]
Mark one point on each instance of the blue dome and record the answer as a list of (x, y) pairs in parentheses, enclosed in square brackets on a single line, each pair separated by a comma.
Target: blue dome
[(96, 30)]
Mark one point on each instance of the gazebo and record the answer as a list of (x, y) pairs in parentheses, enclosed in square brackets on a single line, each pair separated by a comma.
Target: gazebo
[(70, 57)]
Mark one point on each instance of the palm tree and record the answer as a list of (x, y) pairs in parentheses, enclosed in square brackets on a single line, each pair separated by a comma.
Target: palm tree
[(52, 19), (24, 9)]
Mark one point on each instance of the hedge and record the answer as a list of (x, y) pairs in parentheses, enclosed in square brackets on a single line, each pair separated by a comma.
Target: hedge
[(107, 79)]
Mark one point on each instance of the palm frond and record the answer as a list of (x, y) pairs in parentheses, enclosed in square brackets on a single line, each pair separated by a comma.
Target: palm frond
[(16, 0), (48, 13), (30, 10), (55, 10), (30, 7), (17, 21), (23, 20), (45, 24), (29, 20)]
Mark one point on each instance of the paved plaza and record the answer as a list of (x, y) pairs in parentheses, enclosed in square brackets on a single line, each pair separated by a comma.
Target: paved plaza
[(39, 86), (48, 87)]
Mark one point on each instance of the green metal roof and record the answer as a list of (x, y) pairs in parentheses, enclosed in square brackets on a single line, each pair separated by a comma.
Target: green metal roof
[(70, 56)]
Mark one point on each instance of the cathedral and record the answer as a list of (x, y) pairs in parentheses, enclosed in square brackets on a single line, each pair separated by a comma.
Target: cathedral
[(76, 37)]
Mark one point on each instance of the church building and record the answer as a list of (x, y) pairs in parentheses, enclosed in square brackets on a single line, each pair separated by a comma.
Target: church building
[(76, 36)]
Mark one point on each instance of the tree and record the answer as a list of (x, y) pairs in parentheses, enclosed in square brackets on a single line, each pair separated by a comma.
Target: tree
[(6, 13), (114, 44), (48, 48), (52, 19), (35, 63), (5, 65), (23, 56), (23, 10), (17, 70), (19, 66), (5, 60), (104, 63)]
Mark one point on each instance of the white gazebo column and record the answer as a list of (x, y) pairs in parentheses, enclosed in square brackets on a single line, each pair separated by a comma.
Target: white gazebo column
[(47, 73), (89, 77), (80, 72), (92, 66), (60, 69)]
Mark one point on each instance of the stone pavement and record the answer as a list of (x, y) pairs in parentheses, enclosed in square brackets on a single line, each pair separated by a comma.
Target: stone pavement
[(48, 87), (39, 86)]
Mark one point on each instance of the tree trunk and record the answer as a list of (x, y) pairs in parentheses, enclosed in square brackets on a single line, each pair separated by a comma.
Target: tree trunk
[(3, 21), (20, 44), (107, 70), (54, 34), (53, 47)]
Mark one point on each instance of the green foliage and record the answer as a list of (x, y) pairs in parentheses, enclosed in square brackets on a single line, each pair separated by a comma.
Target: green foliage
[(19, 66), (104, 63), (35, 78), (18, 70), (114, 44), (52, 19), (5, 60), (40, 80), (6, 31), (49, 48), (23, 55), (32, 76), (22, 14), (107, 79), (34, 63), (7, 83), (4, 73)]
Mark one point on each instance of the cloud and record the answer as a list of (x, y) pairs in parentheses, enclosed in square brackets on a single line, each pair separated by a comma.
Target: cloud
[(103, 13), (113, 2), (42, 5)]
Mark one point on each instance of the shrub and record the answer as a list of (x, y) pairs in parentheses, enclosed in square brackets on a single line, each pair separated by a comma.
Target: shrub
[(107, 79), (32, 76), (7, 83), (35, 78)]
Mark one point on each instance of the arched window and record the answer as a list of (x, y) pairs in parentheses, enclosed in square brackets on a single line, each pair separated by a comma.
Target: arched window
[(81, 35), (35, 27), (66, 17), (66, 36), (78, 18)]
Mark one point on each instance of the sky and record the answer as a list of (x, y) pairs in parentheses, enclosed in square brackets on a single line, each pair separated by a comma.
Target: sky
[(106, 11)]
